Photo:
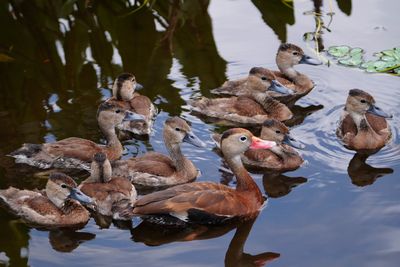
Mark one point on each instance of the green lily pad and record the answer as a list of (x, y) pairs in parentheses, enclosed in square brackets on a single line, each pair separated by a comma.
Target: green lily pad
[(339, 51), (356, 51)]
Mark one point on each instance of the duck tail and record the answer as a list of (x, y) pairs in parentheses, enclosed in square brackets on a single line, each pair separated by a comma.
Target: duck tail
[(26, 151), (7, 194), (200, 103)]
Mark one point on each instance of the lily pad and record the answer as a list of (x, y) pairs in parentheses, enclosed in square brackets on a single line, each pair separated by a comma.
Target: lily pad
[(339, 51)]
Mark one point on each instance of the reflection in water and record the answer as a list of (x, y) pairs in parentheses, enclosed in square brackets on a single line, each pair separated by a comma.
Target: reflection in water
[(278, 185), (276, 14), (362, 174), (156, 235), (301, 113), (68, 240)]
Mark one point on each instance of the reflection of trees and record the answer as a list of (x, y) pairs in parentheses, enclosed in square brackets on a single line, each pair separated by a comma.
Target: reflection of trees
[(276, 14), (156, 235)]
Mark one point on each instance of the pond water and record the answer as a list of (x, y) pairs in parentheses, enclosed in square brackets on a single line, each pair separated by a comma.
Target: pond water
[(65, 55)]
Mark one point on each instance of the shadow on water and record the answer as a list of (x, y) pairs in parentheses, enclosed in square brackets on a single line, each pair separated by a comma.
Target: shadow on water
[(155, 235)]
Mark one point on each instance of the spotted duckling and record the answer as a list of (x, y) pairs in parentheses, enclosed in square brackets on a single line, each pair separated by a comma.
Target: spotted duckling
[(155, 170), (125, 96), (59, 205), (287, 57), (252, 109), (74, 152), (112, 195), (282, 157), (363, 125)]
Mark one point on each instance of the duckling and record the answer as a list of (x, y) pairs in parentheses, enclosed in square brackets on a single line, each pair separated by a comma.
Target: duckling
[(58, 206), (111, 194), (207, 202), (287, 56), (281, 157), (363, 125), (154, 170), (252, 109), (254, 81), (74, 152), (125, 96)]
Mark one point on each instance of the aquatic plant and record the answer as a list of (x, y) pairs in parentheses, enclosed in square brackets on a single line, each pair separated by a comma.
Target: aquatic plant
[(387, 61)]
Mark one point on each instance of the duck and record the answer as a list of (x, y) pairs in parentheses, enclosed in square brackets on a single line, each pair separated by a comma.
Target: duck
[(155, 170), (127, 98), (247, 110), (283, 157), (208, 202), (254, 81), (74, 152), (363, 125), (59, 205), (287, 57), (110, 194)]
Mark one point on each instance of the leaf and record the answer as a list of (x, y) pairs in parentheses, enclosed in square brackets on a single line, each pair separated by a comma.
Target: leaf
[(356, 51), (339, 51), (352, 61)]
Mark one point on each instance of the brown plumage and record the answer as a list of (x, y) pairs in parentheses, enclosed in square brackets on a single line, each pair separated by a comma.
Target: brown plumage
[(257, 80), (77, 152), (125, 96), (112, 195), (252, 109), (279, 158), (287, 56), (154, 170), (363, 125), (58, 206), (207, 202)]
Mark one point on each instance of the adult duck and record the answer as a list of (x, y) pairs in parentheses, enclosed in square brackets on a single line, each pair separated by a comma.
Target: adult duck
[(155, 170), (252, 109), (59, 205), (207, 202), (127, 98), (287, 57), (363, 125), (74, 152), (110, 194), (281, 157)]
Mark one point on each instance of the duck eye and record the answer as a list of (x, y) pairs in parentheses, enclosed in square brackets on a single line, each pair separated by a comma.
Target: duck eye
[(363, 101), (295, 53), (177, 129), (278, 132), (64, 186), (263, 78), (243, 138), (118, 111)]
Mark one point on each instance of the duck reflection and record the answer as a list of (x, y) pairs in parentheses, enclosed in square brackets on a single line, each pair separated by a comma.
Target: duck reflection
[(301, 113), (155, 235), (278, 185), (68, 240), (361, 173)]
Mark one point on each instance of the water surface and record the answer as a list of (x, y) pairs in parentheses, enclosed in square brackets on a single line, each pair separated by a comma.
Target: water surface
[(333, 211)]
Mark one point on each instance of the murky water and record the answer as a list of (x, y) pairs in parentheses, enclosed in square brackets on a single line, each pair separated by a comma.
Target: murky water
[(336, 210)]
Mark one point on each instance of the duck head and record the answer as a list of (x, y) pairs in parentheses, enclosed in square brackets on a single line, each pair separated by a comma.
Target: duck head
[(262, 80), (176, 131), (109, 115), (289, 55), (276, 131), (236, 141), (124, 86), (61, 187), (360, 102), (100, 169)]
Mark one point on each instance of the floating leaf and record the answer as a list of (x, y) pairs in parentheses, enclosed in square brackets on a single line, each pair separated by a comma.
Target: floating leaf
[(339, 51), (356, 51), (352, 61)]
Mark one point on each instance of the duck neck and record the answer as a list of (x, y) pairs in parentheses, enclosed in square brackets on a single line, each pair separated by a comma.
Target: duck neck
[(360, 120), (179, 160), (296, 77), (244, 180), (113, 143)]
